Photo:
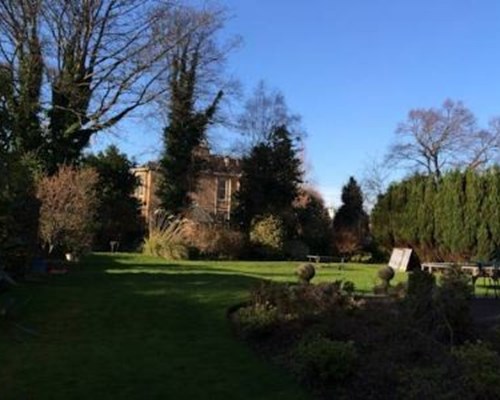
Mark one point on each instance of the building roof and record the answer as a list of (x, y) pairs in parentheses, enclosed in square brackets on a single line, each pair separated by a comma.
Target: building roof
[(212, 164)]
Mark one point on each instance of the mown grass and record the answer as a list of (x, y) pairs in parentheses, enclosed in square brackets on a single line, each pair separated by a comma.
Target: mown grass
[(134, 327)]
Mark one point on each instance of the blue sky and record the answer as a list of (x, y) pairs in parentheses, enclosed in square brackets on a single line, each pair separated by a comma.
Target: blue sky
[(353, 69)]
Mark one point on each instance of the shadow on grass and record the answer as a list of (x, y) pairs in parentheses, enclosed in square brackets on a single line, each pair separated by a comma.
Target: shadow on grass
[(135, 334)]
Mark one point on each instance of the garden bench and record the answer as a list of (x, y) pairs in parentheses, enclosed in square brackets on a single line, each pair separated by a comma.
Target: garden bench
[(490, 272), (318, 258), (325, 259)]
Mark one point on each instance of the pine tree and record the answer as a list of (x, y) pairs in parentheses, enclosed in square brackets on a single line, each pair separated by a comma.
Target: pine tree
[(118, 213), (350, 225), (315, 224), (270, 179)]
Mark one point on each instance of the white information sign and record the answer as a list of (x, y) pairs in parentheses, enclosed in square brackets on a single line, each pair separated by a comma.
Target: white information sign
[(400, 259)]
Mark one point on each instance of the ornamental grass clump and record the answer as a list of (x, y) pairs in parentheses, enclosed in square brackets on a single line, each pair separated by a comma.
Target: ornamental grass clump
[(166, 238)]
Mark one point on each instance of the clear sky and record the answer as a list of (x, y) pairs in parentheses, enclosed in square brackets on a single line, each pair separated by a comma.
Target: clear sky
[(354, 68)]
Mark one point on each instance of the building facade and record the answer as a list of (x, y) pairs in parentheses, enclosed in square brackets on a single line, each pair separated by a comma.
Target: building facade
[(212, 199)]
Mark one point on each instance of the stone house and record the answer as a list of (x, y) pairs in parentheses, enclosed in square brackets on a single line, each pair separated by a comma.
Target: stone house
[(212, 198)]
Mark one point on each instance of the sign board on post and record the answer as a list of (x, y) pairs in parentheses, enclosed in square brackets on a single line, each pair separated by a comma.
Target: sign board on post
[(403, 259)]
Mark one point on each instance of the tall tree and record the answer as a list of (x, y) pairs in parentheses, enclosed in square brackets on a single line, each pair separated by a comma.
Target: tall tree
[(375, 180), (118, 213), (80, 65), (68, 209), (270, 179), (314, 222), (436, 139), (455, 220), (22, 70), (195, 66), (264, 111), (350, 224)]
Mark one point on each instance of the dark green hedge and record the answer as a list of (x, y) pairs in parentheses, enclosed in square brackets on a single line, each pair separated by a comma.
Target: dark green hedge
[(455, 218)]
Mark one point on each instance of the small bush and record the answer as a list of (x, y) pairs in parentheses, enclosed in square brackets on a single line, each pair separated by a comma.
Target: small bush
[(348, 287), (325, 298), (442, 311), (296, 250), (19, 212), (68, 210), (433, 381), (452, 300), (258, 320), (303, 301), (276, 294), (385, 274), (267, 236), (321, 360), (305, 272), (212, 241), (362, 258), (479, 366)]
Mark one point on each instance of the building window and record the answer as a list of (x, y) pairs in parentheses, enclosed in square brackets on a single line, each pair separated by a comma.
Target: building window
[(222, 189), (140, 190)]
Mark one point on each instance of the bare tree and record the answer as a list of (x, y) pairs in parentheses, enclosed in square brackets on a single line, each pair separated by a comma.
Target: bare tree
[(22, 69), (68, 209), (89, 63), (262, 113), (375, 179), (195, 51), (432, 140)]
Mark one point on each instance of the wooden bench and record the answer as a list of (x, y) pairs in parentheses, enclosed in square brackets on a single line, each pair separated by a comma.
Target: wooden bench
[(325, 259)]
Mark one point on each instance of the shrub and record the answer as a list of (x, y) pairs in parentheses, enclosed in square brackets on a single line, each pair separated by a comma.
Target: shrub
[(273, 293), (442, 311), (324, 360), (363, 257), (258, 320), (433, 381), (479, 366), (19, 212), (68, 209), (453, 304), (267, 236), (296, 250), (385, 274), (323, 298), (348, 287), (305, 272), (213, 241), (303, 301), (166, 238)]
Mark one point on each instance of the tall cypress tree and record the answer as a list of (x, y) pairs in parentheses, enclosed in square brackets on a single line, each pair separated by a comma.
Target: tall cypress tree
[(426, 220), (457, 219), (492, 207)]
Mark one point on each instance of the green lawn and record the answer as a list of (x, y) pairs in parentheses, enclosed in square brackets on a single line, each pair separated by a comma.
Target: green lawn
[(134, 327)]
